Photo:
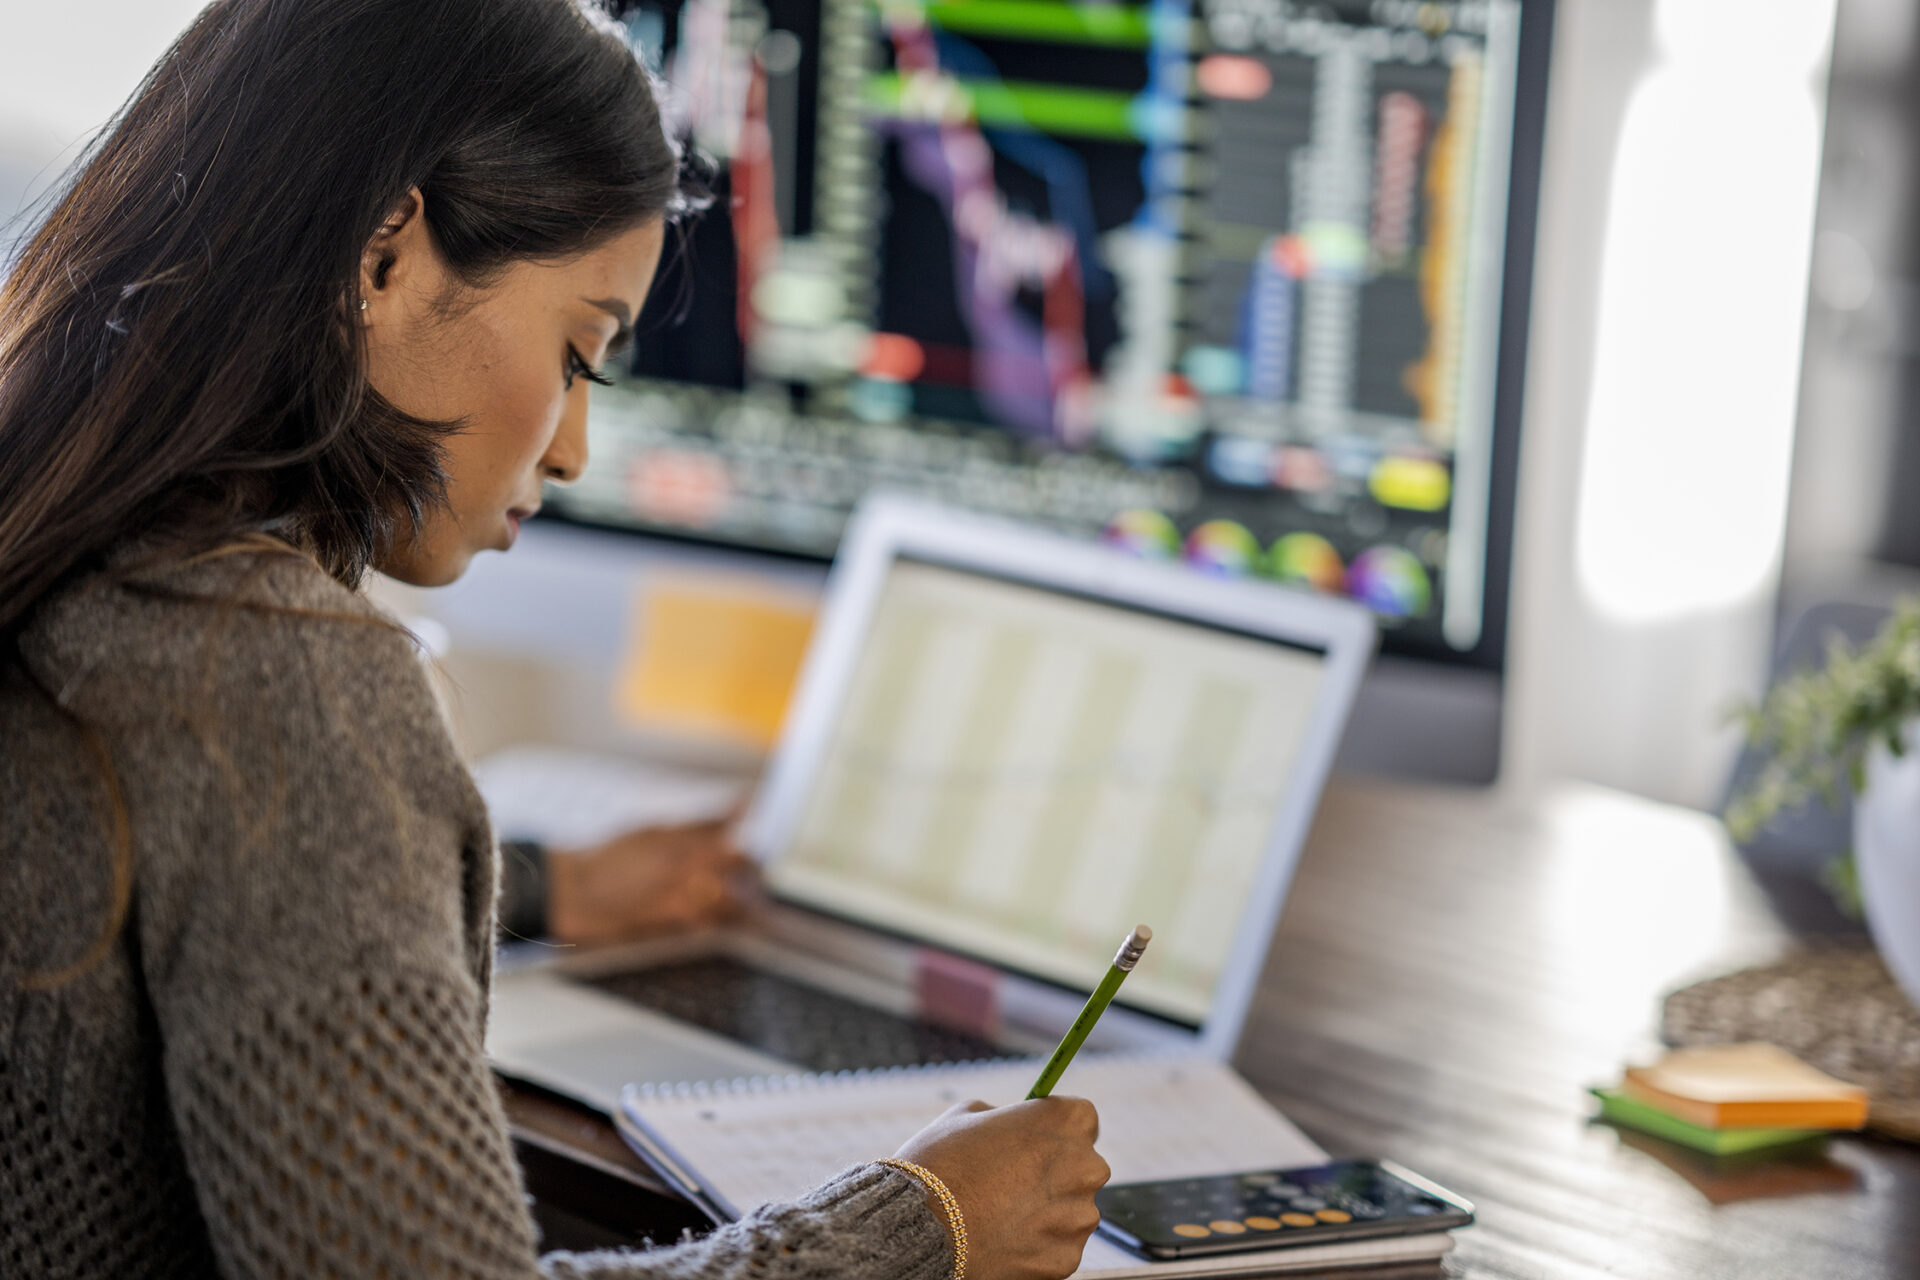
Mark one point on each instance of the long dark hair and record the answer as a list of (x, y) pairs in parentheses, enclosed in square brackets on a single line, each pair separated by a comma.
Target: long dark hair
[(177, 351), (179, 359)]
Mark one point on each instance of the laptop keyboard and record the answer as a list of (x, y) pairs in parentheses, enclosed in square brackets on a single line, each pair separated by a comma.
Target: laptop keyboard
[(818, 1029)]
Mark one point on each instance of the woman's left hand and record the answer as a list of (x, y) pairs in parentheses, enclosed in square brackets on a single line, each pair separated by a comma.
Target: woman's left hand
[(655, 880)]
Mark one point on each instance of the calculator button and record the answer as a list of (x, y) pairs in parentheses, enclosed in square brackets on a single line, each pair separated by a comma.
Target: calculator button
[(1283, 1189), (1191, 1230), (1298, 1219), (1227, 1227), (1333, 1215), (1261, 1223), (1309, 1204)]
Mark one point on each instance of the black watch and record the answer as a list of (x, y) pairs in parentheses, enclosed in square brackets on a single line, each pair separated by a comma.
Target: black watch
[(523, 889)]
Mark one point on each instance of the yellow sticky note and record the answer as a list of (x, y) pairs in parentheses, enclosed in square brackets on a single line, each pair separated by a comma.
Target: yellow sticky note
[(713, 661)]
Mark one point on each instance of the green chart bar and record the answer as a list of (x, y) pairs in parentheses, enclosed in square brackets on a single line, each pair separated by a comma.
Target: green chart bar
[(1117, 26), (1046, 108)]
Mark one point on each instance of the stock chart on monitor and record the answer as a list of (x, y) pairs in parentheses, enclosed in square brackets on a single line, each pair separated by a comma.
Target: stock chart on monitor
[(1218, 281)]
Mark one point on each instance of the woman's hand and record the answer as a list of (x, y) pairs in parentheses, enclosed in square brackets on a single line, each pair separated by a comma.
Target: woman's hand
[(651, 881), (1024, 1176)]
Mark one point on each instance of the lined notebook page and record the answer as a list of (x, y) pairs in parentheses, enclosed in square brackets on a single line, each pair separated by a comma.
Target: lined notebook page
[(749, 1142)]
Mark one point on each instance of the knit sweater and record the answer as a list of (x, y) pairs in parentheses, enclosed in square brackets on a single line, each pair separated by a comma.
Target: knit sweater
[(275, 1066)]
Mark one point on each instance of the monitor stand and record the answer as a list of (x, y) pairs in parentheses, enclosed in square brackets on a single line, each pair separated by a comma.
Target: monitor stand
[(1422, 721)]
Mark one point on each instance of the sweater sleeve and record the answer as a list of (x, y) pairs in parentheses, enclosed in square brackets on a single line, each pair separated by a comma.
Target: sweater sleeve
[(317, 971), (869, 1221), (353, 1133)]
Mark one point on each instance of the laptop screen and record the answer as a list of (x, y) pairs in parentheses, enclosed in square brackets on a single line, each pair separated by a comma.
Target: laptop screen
[(1021, 775)]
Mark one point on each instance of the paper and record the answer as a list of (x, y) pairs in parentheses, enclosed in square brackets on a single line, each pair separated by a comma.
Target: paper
[(571, 799), (758, 1141), (715, 662)]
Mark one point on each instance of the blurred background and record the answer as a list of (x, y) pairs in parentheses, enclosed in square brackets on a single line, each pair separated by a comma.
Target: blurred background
[(1588, 461)]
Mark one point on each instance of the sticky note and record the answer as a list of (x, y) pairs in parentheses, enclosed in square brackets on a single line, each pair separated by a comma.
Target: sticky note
[(713, 661)]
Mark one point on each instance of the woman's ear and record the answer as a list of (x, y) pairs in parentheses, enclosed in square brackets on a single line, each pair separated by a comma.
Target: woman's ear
[(399, 259)]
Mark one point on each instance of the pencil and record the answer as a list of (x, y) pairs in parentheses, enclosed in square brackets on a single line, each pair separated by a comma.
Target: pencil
[(1097, 1003)]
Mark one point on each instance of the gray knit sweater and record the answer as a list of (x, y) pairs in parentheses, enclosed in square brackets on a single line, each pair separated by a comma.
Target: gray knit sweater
[(275, 1068)]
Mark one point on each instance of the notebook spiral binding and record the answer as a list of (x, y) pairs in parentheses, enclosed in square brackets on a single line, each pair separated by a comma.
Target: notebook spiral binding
[(808, 1081)]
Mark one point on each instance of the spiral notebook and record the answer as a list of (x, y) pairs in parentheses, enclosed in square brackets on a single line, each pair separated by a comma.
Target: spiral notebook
[(733, 1145)]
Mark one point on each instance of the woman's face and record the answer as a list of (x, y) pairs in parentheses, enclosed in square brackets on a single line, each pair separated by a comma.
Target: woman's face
[(510, 362)]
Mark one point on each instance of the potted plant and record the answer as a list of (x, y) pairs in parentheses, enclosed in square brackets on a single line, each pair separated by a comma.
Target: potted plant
[(1853, 722)]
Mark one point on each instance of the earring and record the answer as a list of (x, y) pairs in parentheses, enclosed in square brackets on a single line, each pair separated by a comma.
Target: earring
[(363, 304)]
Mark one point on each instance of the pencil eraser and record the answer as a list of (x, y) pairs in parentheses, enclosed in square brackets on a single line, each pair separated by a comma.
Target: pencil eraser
[(1130, 950)]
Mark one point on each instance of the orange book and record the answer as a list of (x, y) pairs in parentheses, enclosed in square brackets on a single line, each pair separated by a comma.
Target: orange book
[(1742, 1085)]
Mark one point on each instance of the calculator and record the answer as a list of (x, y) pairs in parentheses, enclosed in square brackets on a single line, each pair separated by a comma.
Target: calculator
[(1271, 1209)]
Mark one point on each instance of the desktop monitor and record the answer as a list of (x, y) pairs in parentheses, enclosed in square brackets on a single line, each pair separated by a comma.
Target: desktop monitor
[(1239, 283)]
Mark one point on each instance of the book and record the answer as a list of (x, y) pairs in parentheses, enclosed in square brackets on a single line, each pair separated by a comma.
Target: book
[(730, 1146), (1753, 1085), (1623, 1109), (1804, 1168)]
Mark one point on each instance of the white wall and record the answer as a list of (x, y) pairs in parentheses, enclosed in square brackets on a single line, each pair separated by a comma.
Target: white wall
[(1683, 150), (65, 68), (1860, 322)]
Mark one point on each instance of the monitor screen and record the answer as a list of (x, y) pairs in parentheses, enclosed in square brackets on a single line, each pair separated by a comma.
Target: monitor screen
[(1221, 281), (1010, 765)]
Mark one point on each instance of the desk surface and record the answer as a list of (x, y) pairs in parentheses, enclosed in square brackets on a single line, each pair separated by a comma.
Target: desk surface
[(1453, 969)]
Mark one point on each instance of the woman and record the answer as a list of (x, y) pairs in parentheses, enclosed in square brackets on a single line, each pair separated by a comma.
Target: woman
[(328, 298)]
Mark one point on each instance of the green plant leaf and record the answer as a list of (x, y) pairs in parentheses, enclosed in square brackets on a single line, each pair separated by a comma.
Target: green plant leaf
[(1842, 879), (1814, 726)]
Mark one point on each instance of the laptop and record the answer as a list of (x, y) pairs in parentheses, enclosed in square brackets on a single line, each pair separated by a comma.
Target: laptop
[(1007, 747)]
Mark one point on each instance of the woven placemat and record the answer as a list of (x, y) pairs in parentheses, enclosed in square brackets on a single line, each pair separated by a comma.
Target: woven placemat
[(1836, 1007)]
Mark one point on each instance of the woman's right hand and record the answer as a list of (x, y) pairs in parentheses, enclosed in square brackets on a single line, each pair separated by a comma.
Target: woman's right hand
[(1024, 1176), (651, 881)]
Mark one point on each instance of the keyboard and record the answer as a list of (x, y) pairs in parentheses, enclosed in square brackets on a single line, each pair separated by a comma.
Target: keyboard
[(818, 1029)]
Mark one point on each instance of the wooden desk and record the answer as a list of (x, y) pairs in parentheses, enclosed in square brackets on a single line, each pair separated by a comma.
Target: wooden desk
[(1453, 969)]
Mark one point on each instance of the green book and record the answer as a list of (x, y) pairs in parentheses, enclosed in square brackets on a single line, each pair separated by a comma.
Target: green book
[(1635, 1114)]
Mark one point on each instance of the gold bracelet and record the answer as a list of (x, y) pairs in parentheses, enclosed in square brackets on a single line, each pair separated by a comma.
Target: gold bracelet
[(956, 1225)]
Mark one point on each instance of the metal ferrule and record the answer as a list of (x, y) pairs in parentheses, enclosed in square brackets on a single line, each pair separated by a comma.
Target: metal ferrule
[(1130, 952)]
